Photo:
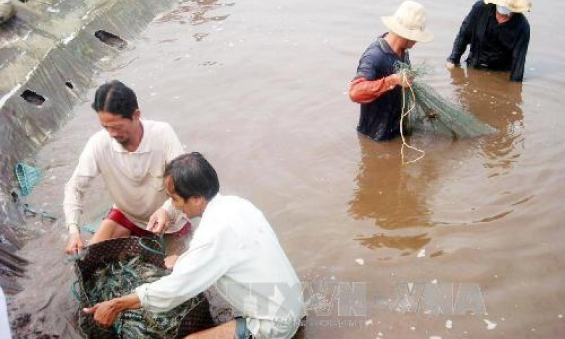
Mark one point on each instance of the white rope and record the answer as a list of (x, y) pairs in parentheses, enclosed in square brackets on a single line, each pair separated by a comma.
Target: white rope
[(404, 113)]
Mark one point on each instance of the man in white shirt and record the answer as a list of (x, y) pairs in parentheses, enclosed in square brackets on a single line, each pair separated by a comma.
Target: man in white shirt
[(234, 249), (131, 155)]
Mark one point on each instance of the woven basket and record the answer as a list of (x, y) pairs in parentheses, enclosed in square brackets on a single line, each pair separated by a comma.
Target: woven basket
[(122, 249)]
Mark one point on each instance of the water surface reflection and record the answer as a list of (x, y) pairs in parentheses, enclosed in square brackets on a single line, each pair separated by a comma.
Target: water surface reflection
[(394, 196), (495, 100)]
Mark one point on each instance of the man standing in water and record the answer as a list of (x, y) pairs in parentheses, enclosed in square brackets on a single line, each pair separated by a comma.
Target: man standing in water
[(130, 154), (234, 248), (376, 86), (499, 35)]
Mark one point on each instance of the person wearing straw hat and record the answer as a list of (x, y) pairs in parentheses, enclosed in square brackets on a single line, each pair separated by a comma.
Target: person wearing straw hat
[(499, 35), (377, 86)]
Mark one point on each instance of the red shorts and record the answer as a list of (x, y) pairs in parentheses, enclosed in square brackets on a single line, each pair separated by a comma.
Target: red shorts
[(118, 217)]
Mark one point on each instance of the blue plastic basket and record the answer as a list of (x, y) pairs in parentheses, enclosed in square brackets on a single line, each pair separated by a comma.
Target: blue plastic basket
[(28, 177)]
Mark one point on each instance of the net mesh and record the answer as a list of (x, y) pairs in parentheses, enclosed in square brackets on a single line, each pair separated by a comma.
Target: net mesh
[(431, 113), (114, 268)]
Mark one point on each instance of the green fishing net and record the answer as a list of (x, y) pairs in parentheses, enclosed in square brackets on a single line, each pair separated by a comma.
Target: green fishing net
[(113, 268), (121, 278), (431, 113)]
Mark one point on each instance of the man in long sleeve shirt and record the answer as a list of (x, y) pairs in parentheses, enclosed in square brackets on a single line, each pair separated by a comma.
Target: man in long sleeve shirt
[(130, 155), (499, 35), (377, 86), (234, 249)]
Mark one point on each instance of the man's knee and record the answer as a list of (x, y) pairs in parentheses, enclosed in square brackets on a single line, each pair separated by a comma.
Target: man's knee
[(109, 229), (223, 331)]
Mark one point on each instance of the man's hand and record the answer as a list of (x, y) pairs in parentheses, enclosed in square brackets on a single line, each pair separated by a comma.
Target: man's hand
[(170, 261), (401, 79), (105, 313), (450, 65), (158, 222), (74, 245)]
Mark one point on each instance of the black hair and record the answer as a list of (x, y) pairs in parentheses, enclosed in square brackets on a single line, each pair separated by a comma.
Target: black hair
[(116, 98), (192, 175)]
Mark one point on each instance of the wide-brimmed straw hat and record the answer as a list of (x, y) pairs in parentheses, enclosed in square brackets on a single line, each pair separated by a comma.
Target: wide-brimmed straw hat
[(409, 22), (516, 6)]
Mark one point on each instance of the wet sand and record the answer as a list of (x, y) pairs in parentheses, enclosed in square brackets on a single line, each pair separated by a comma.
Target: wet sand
[(260, 88)]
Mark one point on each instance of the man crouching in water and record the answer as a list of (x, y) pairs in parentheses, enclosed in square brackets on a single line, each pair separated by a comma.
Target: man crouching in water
[(234, 249), (130, 154)]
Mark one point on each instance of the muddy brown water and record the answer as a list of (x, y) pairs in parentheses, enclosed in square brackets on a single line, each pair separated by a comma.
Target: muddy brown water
[(260, 88)]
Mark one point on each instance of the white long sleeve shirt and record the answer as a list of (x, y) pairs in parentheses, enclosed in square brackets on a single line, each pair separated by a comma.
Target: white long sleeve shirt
[(4, 321), (133, 179), (234, 249)]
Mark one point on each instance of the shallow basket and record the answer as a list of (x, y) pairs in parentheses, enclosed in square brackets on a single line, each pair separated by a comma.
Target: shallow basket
[(122, 249)]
